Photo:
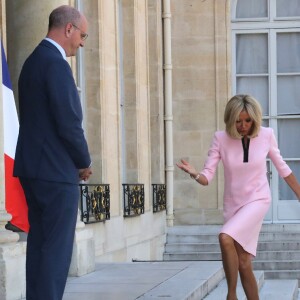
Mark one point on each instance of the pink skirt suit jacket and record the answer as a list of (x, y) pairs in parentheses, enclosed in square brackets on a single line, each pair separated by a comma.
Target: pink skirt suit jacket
[(247, 194)]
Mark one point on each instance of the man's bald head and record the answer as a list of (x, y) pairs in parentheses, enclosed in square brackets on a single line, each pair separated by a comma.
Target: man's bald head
[(63, 15)]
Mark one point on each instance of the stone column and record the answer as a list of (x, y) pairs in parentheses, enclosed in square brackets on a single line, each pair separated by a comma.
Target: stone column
[(12, 261), (156, 95), (142, 98), (83, 257), (27, 25), (12, 252), (24, 35), (136, 105)]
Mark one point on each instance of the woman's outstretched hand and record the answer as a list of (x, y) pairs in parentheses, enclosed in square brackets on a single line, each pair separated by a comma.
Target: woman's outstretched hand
[(187, 167), (293, 183)]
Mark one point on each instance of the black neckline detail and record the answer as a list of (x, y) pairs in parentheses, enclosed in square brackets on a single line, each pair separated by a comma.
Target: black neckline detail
[(246, 149)]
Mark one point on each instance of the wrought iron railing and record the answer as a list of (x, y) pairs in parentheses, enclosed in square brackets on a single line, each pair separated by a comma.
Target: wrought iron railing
[(94, 202), (159, 197), (133, 196)]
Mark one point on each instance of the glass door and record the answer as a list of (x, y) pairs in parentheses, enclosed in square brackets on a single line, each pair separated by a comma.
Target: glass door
[(287, 112), (266, 64)]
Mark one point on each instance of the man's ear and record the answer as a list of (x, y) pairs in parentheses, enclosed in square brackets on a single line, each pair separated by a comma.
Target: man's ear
[(68, 29)]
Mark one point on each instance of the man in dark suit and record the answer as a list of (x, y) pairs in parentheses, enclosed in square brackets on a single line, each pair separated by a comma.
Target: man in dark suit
[(52, 153)]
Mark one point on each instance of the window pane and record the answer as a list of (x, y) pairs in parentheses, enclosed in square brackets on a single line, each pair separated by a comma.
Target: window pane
[(252, 9), (288, 8), (252, 53), (285, 192), (288, 52), (258, 87), (265, 123), (288, 91), (289, 137)]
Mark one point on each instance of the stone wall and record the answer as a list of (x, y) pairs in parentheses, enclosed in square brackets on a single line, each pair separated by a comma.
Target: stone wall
[(124, 105), (201, 87), (123, 108)]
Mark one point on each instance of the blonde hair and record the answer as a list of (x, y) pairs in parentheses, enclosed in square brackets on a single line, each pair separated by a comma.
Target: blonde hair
[(234, 107)]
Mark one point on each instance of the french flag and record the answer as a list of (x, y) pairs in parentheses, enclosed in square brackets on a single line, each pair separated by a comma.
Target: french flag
[(15, 201)]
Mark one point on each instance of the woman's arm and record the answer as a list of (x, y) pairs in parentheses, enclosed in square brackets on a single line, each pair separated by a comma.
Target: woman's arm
[(188, 168), (210, 165), (291, 180), (282, 167)]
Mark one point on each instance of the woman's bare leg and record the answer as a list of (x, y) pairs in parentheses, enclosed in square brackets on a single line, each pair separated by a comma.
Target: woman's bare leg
[(246, 273), (230, 263)]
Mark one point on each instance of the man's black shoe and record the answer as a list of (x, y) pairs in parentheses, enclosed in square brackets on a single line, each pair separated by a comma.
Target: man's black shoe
[(12, 227)]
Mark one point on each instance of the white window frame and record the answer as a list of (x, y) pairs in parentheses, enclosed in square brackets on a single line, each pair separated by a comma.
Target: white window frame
[(270, 26), (269, 22)]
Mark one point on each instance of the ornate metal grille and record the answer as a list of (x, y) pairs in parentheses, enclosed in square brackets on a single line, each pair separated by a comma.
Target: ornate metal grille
[(133, 199), (159, 197), (94, 202)]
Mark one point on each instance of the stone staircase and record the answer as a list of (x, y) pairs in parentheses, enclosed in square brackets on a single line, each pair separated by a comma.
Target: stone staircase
[(268, 289), (278, 255)]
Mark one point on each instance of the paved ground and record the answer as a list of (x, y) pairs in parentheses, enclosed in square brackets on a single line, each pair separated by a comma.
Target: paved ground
[(175, 280), (184, 280), (141, 280)]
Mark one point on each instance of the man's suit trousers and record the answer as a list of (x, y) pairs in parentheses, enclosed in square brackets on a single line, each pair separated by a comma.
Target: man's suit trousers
[(52, 214)]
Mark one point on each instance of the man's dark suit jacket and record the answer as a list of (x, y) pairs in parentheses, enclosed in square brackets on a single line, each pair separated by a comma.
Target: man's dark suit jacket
[(51, 144)]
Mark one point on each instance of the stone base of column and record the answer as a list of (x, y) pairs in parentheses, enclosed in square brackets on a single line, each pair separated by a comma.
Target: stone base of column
[(170, 220), (83, 258), (12, 274)]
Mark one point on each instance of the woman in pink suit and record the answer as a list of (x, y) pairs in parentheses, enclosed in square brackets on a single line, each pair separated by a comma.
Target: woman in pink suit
[(243, 148)]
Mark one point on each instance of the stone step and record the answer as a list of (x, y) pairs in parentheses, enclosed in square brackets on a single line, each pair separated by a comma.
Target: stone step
[(278, 251), (215, 247), (192, 256), (276, 265), (268, 289), (278, 255), (194, 229), (278, 245), (192, 283), (282, 274), (286, 227), (278, 236), (215, 229), (279, 289), (261, 255), (213, 238), (221, 290), (192, 238), (192, 247)]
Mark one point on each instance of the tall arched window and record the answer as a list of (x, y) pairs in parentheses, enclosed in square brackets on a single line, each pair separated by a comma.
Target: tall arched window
[(266, 64)]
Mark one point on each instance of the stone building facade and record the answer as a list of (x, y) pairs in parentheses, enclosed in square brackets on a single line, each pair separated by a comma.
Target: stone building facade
[(154, 78)]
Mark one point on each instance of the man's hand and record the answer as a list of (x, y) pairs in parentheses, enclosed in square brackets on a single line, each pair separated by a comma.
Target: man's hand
[(84, 174)]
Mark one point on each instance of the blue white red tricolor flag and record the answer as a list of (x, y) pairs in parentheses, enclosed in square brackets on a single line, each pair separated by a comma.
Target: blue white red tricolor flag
[(15, 202)]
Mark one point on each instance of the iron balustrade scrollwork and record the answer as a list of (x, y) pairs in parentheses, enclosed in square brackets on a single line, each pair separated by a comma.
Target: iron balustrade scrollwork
[(94, 202), (159, 197), (133, 196)]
